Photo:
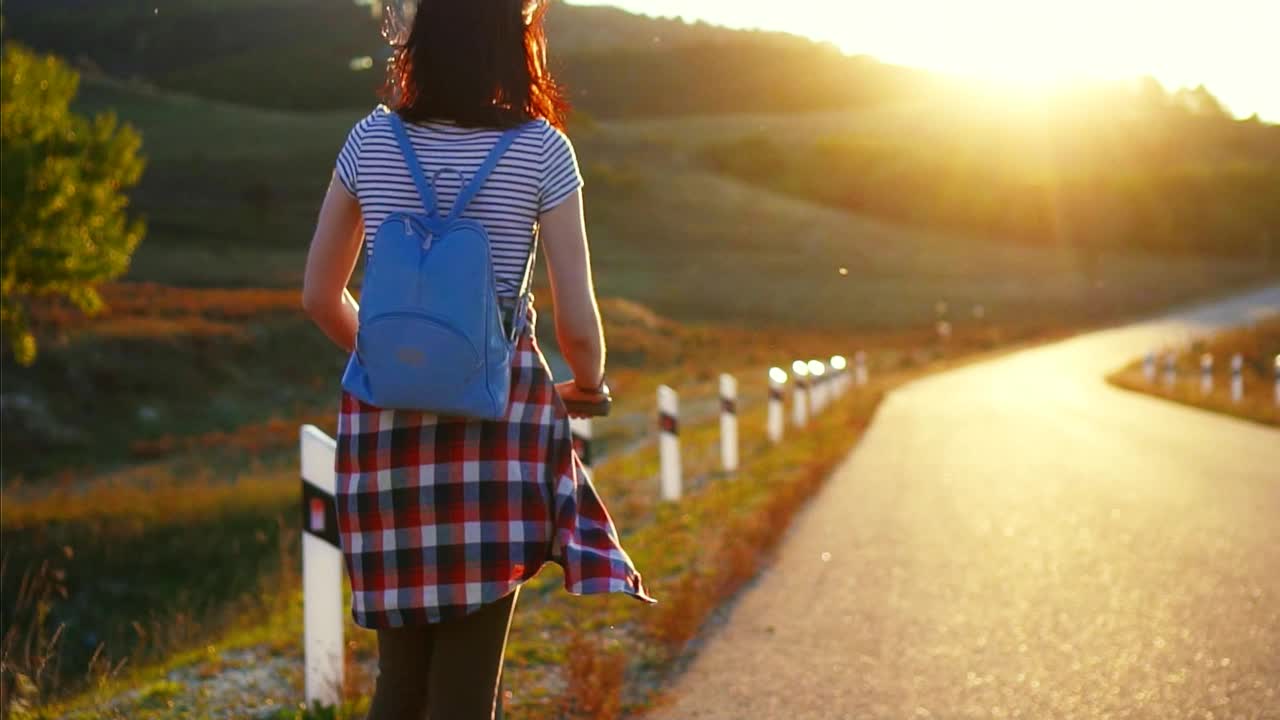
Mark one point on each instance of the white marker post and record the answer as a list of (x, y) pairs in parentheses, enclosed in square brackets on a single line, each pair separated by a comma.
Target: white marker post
[(799, 395), (669, 442), (860, 374), (1237, 378), (818, 386), (1149, 368), (1206, 374), (321, 571), (583, 433), (1170, 370), (728, 423), (777, 381), (841, 368)]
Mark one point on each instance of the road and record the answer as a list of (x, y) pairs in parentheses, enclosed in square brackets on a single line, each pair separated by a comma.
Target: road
[(1017, 539)]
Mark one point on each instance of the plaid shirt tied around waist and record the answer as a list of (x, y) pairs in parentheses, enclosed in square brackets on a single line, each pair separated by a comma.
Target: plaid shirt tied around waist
[(439, 516)]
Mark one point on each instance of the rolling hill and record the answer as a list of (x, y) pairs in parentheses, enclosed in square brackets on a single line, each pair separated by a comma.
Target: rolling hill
[(295, 54)]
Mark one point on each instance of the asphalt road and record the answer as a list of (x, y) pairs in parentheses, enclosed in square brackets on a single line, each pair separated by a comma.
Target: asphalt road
[(1018, 539)]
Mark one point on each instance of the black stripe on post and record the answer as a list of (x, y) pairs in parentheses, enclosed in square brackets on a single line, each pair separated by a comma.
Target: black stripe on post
[(583, 447), (668, 423), (320, 514), (775, 394), (728, 405)]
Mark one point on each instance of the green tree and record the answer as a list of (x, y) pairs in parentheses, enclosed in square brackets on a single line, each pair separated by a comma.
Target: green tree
[(63, 177)]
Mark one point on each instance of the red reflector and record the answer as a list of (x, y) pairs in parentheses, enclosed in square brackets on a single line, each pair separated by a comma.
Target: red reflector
[(317, 515)]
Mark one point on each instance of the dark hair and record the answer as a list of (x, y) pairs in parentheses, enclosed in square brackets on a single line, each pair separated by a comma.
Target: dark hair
[(477, 63)]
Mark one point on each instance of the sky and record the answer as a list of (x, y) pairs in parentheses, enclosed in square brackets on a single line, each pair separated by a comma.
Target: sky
[(1230, 46)]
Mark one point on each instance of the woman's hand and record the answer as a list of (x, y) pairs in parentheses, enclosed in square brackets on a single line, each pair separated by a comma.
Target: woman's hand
[(571, 394)]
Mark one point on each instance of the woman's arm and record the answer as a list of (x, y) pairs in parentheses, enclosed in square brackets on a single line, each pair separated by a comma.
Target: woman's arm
[(335, 248), (578, 327)]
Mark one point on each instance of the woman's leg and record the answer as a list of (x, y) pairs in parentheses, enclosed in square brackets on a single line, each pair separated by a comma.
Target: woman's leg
[(404, 664), (466, 662)]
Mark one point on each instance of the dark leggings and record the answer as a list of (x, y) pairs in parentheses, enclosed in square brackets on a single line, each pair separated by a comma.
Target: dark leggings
[(445, 671)]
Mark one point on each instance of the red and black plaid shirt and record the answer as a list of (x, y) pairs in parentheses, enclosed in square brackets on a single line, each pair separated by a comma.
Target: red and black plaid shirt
[(439, 516)]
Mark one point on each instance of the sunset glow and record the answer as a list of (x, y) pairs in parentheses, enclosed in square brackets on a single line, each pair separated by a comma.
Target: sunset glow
[(1228, 46)]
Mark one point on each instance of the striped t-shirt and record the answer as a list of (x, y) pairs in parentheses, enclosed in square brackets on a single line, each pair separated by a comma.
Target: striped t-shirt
[(538, 173)]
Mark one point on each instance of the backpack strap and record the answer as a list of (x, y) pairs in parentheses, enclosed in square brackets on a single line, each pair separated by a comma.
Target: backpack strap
[(425, 191), (525, 297), (468, 193)]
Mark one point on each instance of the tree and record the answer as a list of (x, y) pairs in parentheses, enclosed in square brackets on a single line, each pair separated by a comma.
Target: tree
[(63, 226), (1200, 101)]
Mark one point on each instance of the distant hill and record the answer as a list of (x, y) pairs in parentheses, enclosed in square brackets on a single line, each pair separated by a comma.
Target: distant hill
[(583, 28), (296, 54)]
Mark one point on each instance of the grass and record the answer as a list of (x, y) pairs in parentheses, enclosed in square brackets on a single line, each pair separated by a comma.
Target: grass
[(594, 657), (1259, 348), (207, 450), (1141, 178), (162, 364), (160, 559), (130, 572)]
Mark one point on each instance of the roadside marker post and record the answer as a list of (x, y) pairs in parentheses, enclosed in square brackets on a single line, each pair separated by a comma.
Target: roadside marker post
[(818, 386), (1206, 374), (322, 559), (1170, 370), (799, 395), (776, 421), (583, 433), (841, 367), (1149, 367), (1237, 378), (860, 374), (669, 443), (728, 423), (321, 571)]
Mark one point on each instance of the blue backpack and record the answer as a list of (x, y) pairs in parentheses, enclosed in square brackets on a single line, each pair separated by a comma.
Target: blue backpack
[(431, 334)]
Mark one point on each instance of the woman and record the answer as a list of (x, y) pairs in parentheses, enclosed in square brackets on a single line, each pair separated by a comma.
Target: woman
[(442, 519)]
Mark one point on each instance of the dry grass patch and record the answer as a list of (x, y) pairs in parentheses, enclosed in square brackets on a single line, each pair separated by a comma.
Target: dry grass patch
[(1259, 347)]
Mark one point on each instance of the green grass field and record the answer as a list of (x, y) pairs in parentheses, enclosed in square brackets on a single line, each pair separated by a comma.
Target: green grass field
[(237, 207), (189, 381)]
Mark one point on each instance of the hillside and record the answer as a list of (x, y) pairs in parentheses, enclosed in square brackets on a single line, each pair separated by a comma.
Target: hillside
[(1096, 169), (236, 213), (296, 54)]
